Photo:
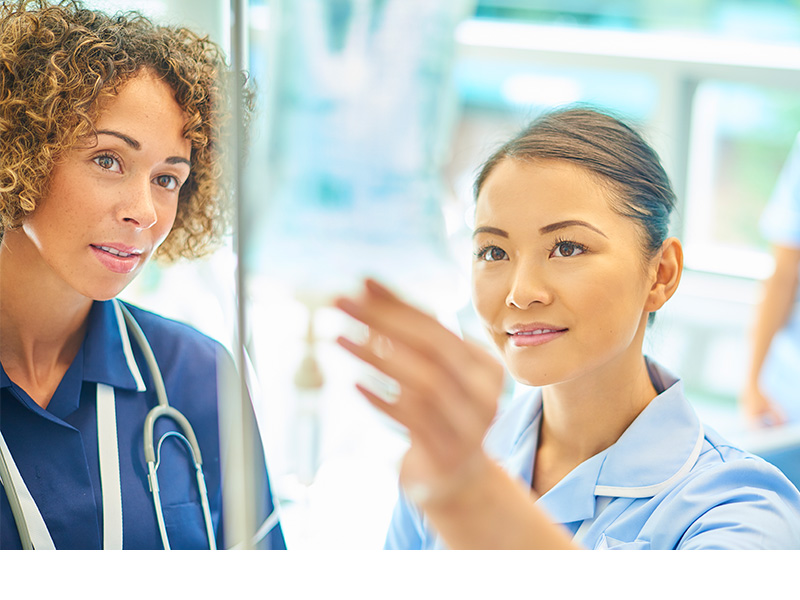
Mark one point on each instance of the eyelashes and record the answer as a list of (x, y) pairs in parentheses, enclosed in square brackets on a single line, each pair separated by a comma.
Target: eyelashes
[(562, 248), (490, 253), (109, 161)]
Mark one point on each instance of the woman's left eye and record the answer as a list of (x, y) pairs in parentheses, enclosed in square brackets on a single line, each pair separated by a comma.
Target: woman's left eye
[(168, 182), (567, 249)]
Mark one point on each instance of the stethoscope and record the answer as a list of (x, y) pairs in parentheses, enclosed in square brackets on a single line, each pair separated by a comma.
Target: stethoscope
[(152, 455), (32, 530)]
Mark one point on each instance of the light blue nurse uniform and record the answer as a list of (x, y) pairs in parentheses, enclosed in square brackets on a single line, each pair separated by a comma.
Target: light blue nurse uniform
[(667, 483), (780, 225)]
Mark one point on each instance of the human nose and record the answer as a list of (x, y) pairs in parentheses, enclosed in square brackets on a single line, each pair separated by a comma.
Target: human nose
[(529, 286), (138, 208)]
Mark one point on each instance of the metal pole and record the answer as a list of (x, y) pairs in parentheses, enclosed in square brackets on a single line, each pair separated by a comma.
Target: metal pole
[(239, 489)]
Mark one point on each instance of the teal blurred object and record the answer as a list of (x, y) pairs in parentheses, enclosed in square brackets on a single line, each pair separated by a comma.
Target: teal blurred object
[(787, 460), (359, 120)]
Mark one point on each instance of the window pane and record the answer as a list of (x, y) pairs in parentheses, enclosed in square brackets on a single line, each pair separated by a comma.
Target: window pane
[(776, 21), (741, 136)]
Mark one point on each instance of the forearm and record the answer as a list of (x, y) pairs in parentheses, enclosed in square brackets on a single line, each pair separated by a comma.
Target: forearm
[(774, 309), (493, 511)]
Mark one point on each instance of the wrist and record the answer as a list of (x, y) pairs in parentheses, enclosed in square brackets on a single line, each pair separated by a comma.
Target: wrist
[(459, 488)]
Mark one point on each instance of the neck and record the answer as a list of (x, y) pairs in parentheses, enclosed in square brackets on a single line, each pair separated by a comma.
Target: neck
[(584, 416), (42, 320)]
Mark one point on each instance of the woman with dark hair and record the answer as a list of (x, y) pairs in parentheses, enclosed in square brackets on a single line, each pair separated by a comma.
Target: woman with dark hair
[(572, 258), (110, 153)]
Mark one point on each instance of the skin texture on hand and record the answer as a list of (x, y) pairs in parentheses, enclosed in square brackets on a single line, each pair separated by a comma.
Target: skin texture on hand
[(449, 390)]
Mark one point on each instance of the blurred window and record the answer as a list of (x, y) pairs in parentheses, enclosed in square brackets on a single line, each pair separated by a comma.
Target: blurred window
[(712, 84), (764, 20)]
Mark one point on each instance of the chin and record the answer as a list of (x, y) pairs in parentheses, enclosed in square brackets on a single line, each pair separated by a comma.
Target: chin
[(103, 297), (539, 372), (108, 291), (530, 375)]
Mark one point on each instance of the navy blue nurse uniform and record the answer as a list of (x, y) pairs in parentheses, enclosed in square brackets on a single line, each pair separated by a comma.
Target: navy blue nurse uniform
[(56, 450)]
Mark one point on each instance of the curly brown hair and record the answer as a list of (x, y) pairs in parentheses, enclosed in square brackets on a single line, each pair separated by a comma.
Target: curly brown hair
[(57, 61)]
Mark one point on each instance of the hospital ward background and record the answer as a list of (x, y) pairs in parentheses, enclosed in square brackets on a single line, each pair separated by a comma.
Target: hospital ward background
[(372, 117)]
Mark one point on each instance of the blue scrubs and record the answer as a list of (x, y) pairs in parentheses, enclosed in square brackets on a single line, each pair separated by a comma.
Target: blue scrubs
[(780, 225), (56, 449), (667, 483)]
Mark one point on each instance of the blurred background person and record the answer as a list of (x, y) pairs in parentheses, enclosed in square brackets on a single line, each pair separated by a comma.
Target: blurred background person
[(772, 391)]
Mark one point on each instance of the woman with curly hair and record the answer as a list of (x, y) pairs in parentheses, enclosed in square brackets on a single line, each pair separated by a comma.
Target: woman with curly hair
[(110, 153)]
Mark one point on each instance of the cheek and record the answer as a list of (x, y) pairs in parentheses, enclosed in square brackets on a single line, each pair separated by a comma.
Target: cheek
[(55, 220), (166, 220), (488, 294), (613, 302)]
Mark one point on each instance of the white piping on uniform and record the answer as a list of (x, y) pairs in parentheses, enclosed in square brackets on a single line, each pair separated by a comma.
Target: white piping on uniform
[(126, 348), (648, 491)]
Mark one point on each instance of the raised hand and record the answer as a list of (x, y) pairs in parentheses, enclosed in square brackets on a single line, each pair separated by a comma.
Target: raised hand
[(448, 390)]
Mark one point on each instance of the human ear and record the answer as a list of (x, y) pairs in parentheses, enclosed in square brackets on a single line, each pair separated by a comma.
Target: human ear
[(668, 268)]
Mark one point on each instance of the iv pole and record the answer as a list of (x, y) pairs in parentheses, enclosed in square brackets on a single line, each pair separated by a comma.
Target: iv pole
[(236, 434)]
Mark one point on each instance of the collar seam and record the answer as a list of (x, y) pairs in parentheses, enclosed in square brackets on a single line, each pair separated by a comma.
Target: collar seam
[(648, 491)]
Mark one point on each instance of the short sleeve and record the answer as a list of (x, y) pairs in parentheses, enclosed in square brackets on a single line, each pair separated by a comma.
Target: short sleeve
[(780, 222), (405, 527), (743, 505)]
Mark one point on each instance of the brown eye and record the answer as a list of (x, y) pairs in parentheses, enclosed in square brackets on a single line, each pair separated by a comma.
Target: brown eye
[(107, 162), (167, 182), (567, 249), (492, 254)]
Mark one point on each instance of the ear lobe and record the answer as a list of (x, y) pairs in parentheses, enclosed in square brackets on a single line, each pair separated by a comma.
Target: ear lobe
[(669, 268)]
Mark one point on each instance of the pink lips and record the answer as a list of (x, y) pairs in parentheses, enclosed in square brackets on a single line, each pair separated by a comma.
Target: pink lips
[(534, 334), (117, 258)]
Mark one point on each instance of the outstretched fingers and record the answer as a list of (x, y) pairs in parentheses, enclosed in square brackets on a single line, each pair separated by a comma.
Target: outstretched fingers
[(466, 365), (428, 394)]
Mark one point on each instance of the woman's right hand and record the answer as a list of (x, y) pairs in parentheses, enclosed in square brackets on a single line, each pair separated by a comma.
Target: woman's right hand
[(759, 410), (448, 391)]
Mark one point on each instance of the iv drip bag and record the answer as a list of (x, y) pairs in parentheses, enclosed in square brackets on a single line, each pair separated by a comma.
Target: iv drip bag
[(359, 122)]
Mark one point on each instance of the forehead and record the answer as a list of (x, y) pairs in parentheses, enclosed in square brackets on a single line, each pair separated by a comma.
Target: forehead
[(542, 190), (145, 105)]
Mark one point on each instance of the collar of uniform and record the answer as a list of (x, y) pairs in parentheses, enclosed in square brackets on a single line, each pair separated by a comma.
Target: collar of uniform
[(4, 380), (108, 355), (515, 436), (660, 445)]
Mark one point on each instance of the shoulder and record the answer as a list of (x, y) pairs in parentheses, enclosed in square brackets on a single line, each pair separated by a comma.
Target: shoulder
[(734, 499), (726, 467)]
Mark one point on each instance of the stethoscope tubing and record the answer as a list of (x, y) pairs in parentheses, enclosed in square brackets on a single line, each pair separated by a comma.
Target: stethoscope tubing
[(163, 409), (152, 457), (15, 504)]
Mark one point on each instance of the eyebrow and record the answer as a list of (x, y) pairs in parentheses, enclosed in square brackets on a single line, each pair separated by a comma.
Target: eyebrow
[(493, 230), (546, 229), (571, 223), (172, 160)]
